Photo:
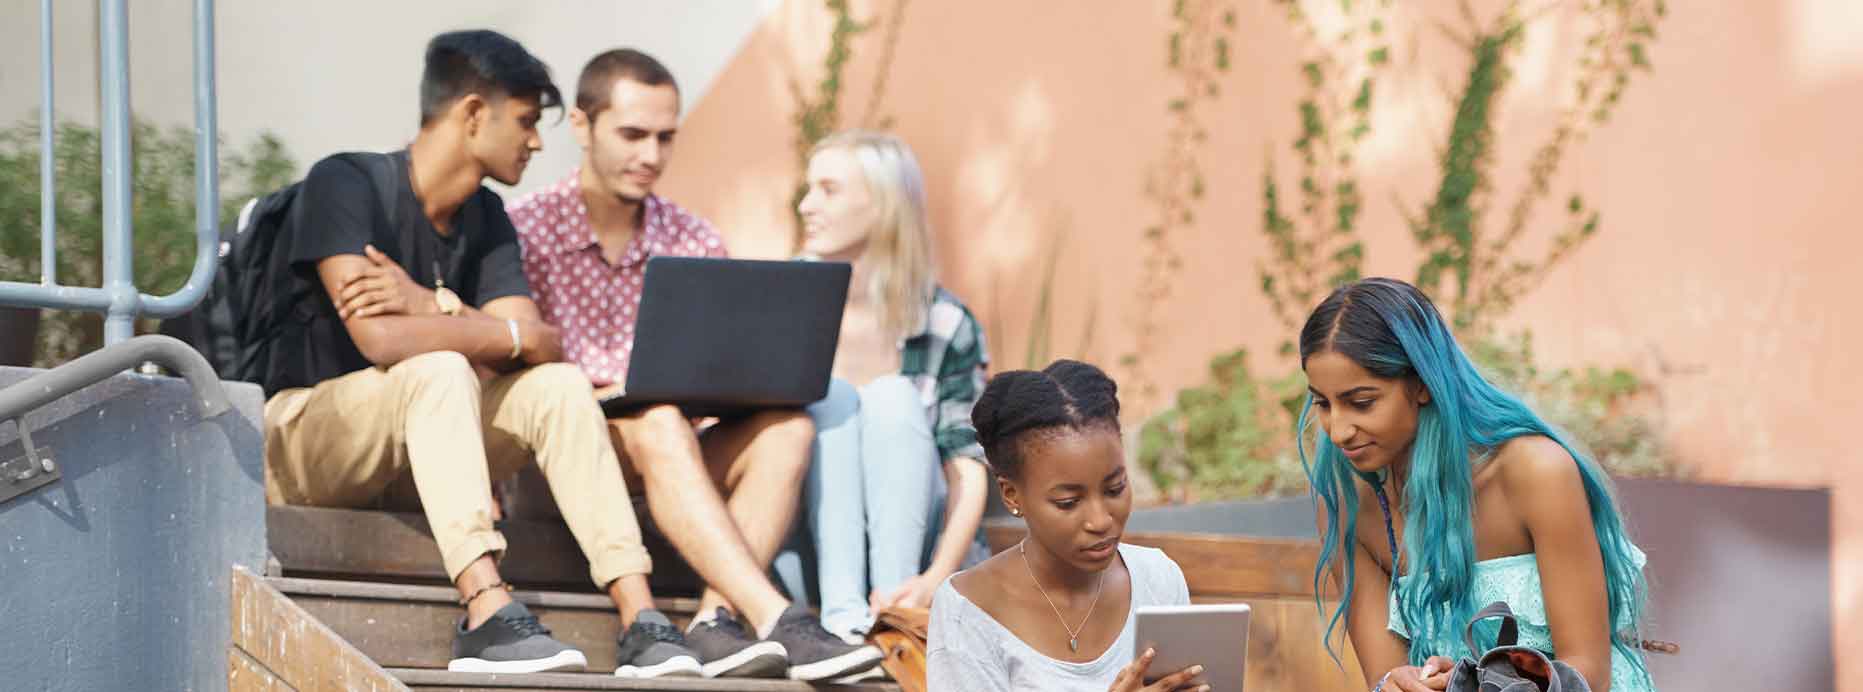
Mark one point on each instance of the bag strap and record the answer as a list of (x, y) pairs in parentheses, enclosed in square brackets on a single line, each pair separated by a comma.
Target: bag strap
[(1510, 630), (381, 170)]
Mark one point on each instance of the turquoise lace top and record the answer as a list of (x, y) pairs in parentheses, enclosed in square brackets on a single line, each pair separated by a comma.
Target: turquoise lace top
[(1516, 580)]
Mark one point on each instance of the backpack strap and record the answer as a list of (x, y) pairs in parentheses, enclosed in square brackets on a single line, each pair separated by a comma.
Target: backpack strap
[(383, 170), (1510, 630)]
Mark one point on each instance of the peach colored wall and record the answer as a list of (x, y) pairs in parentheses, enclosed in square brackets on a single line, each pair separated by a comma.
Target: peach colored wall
[(1727, 182)]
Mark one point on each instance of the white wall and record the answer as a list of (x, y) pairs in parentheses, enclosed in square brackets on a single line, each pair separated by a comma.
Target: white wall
[(336, 75)]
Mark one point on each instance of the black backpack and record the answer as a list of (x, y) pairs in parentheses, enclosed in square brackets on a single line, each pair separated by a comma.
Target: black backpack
[(243, 309)]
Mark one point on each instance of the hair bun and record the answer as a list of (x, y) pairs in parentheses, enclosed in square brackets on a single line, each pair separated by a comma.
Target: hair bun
[(1067, 393)]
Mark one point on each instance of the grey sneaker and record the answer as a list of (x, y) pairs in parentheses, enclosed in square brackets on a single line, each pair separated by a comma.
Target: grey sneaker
[(815, 653), (511, 641), (652, 648), (728, 650)]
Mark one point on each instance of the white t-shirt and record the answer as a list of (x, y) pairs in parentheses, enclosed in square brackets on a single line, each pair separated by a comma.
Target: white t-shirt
[(969, 651)]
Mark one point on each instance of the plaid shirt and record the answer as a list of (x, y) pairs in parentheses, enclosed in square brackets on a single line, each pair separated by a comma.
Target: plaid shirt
[(947, 363)]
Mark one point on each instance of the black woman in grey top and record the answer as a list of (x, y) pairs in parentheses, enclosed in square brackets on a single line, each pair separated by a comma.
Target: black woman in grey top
[(1054, 612)]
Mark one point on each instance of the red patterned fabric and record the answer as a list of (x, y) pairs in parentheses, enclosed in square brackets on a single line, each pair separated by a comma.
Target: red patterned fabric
[(593, 302)]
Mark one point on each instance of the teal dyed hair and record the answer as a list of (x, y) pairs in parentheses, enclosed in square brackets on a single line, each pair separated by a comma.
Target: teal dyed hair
[(1393, 331)]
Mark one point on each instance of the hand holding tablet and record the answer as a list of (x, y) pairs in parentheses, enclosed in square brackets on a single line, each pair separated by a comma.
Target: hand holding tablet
[(1213, 638)]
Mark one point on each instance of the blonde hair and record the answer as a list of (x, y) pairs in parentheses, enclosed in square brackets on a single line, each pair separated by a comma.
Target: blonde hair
[(899, 253)]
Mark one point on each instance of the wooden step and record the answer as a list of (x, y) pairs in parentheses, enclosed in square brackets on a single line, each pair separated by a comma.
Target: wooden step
[(277, 646), (408, 626), (446, 681), (397, 546)]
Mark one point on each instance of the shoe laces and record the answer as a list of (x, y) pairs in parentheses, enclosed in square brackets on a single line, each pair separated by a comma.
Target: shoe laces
[(727, 623), (526, 625), (661, 633), (808, 627)]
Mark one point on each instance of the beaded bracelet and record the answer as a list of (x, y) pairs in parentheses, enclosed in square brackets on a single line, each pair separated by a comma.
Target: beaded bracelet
[(488, 587)]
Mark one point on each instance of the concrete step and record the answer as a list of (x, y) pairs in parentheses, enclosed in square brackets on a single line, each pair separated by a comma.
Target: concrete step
[(372, 545), (411, 626), (445, 681)]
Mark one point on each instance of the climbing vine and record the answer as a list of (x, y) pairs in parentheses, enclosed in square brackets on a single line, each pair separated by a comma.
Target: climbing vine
[(1198, 54), (818, 110), (1481, 272), (1316, 247), (1230, 435)]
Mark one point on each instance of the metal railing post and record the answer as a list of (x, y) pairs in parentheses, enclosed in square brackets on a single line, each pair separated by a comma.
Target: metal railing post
[(48, 166), (118, 298), (206, 175), (119, 276)]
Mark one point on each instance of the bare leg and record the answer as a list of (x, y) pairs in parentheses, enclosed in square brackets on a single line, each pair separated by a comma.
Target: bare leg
[(759, 461), (482, 573), (687, 507), (631, 596)]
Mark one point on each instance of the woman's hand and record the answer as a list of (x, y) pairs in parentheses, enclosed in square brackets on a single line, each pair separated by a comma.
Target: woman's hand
[(915, 592), (1432, 675), (1132, 677)]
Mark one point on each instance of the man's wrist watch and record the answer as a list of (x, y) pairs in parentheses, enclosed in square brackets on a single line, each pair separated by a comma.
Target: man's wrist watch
[(447, 301)]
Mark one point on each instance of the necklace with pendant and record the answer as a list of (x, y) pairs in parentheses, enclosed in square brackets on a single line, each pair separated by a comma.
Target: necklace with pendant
[(1073, 633)]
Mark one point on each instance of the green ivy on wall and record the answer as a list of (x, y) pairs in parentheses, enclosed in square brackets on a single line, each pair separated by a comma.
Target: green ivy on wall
[(1316, 247), (1198, 53), (1486, 271), (818, 110), (1233, 435)]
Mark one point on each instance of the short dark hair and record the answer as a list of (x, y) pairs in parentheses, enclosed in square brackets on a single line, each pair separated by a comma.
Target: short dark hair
[(599, 76), (1066, 395), (481, 62)]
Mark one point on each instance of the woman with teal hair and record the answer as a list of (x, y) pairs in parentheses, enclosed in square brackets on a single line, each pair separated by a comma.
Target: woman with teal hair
[(1438, 493)]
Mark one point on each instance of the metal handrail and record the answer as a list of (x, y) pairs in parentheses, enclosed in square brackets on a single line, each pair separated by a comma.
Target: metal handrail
[(99, 365), (119, 298)]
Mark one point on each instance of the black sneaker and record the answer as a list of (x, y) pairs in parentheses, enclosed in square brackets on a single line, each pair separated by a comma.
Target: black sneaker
[(728, 650), (511, 641), (815, 653), (652, 648)]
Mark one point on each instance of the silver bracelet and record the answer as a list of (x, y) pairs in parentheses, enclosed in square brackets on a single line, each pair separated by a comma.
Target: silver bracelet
[(517, 340)]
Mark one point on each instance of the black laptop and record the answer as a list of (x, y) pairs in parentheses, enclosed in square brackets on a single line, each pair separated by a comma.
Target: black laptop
[(718, 337)]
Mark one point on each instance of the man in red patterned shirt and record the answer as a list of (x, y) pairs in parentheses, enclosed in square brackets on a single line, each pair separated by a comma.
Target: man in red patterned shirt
[(586, 243)]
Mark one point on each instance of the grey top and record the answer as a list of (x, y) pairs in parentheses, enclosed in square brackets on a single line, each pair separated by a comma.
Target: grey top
[(970, 651)]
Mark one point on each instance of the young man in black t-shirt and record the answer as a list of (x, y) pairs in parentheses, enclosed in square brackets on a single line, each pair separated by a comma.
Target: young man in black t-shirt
[(413, 351)]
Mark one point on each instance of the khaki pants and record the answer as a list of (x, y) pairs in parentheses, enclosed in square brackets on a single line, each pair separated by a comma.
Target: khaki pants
[(344, 442)]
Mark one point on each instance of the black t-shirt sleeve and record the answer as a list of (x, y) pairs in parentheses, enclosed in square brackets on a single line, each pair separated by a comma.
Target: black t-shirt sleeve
[(335, 213), (501, 266)]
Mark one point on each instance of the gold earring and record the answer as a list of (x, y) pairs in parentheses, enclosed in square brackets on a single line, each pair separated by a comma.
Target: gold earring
[(1015, 512)]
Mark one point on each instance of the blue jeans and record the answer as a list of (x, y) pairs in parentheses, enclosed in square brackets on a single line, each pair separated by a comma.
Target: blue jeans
[(873, 450)]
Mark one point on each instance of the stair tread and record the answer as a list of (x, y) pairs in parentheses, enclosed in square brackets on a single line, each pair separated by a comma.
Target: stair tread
[(420, 677), (371, 544), (340, 588)]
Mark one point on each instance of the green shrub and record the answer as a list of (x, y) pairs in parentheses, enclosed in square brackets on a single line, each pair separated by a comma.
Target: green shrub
[(162, 211), (1610, 413), (1232, 437)]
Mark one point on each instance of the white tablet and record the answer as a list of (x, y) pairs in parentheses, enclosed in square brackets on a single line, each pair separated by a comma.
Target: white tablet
[(1214, 636)]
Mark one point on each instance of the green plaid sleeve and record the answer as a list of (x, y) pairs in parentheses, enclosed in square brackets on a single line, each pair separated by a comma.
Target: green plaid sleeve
[(961, 375)]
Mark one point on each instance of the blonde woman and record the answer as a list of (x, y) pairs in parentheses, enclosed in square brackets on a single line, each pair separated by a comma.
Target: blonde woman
[(898, 486)]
